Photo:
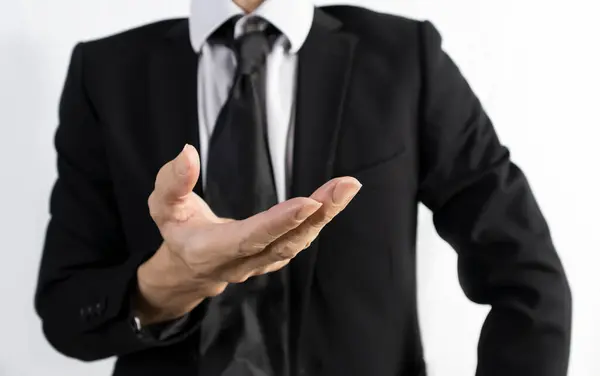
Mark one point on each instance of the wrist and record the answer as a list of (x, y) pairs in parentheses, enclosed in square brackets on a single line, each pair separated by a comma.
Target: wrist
[(165, 289)]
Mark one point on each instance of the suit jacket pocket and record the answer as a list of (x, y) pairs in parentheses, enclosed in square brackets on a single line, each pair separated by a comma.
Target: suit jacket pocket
[(384, 172)]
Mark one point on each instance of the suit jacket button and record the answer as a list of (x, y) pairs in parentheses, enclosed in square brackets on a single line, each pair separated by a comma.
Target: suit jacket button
[(86, 313)]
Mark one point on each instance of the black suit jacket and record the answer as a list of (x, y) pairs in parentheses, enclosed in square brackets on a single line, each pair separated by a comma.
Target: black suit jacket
[(378, 99)]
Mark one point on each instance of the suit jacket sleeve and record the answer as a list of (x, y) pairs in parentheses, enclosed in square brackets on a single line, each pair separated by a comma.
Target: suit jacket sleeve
[(87, 272), (484, 208)]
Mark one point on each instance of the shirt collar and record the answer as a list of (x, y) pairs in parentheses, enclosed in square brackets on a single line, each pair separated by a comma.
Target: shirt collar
[(293, 17)]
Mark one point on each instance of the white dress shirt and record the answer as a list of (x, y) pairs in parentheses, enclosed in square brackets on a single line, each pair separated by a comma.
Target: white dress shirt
[(217, 68)]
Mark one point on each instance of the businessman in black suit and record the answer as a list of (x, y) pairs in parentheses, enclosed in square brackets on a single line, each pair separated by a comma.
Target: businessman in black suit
[(281, 239)]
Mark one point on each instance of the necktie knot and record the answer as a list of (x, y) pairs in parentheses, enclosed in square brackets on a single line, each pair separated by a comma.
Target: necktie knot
[(255, 24), (252, 46)]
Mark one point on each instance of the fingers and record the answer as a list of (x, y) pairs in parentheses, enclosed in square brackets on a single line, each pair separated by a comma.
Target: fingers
[(334, 196), (174, 181), (258, 231), (178, 177)]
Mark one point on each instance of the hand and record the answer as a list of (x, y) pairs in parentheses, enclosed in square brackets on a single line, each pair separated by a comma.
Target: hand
[(203, 253)]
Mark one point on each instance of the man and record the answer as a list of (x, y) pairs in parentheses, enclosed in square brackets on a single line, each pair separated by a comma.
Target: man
[(182, 262)]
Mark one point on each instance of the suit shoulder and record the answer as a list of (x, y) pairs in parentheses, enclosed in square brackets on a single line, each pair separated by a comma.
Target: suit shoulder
[(386, 37), (135, 39), (367, 22)]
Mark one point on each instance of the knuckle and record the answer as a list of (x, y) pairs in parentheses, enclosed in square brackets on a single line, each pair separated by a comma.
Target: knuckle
[(154, 213), (261, 271), (180, 212), (278, 265), (244, 249), (328, 216), (283, 252), (242, 246), (242, 252), (246, 245), (315, 226), (215, 290), (318, 224), (273, 267), (294, 221), (268, 227), (152, 206), (151, 199), (160, 173), (237, 277), (271, 234)]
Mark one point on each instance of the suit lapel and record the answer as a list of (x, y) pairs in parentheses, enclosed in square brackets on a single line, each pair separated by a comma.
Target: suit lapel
[(324, 67), (173, 103)]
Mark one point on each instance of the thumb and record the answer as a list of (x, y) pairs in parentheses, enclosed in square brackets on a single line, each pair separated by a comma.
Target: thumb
[(177, 178)]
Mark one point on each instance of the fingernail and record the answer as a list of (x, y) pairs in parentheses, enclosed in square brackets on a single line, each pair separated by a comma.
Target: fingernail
[(345, 190), (181, 164), (307, 210)]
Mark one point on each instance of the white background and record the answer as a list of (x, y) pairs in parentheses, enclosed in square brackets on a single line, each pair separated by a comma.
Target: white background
[(534, 64)]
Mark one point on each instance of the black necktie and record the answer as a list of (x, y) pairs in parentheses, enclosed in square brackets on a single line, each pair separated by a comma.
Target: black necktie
[(244, 332), (239, 181)]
